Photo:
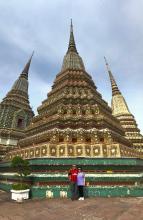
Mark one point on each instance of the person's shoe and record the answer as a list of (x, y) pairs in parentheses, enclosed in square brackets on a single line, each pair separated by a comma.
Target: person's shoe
[(80, 198)]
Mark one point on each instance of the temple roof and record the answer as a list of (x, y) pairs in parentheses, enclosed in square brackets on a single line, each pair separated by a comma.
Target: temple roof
[(72, 60)]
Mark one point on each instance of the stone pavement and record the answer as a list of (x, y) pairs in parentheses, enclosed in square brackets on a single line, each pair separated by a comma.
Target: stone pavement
[(65, 209)]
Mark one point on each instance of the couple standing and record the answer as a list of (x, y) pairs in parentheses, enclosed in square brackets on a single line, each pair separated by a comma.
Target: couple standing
[(77, 183)]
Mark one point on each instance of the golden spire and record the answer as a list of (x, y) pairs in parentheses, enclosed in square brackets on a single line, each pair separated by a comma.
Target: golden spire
[(72, 60), (119, 105), (27, 66), (72, 46), (22, 82), (115, 89)]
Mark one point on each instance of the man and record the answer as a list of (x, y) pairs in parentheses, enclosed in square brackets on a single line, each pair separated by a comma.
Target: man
[(72, 174)]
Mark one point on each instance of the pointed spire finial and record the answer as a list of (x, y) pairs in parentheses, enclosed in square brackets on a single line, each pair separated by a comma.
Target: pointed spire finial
[(72, 46), (27, 66), (115, 89), (107, 65), (71, 28)]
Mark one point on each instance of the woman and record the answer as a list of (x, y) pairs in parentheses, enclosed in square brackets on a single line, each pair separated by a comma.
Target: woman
[(80, 183)]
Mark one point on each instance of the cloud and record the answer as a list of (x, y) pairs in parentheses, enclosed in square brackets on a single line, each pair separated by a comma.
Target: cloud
[(101, 27)]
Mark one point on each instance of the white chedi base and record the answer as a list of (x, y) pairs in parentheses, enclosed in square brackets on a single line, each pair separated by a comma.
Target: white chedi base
[(19, 195)]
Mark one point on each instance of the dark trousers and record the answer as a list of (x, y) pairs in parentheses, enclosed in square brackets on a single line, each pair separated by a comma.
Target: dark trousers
[(73, 188), (80, 191)]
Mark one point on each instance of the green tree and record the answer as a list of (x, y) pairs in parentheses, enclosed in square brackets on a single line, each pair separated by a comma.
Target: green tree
[(21, 166)]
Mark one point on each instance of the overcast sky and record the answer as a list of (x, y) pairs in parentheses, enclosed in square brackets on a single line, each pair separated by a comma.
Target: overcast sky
[(111, 28)]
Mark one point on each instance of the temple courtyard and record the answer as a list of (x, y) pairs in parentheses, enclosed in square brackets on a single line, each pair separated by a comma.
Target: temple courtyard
[(62, 209)]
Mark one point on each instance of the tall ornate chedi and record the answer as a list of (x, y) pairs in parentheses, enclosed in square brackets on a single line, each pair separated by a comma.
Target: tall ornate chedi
[(15, 112), (121, 111), (75, 125), (74, 120)]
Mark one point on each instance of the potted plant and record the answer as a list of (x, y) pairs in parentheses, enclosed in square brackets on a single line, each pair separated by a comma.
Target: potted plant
[(20, 190)]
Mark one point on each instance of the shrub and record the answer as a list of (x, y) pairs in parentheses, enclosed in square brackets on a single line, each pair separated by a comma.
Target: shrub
[(20, 186), (22, 167)]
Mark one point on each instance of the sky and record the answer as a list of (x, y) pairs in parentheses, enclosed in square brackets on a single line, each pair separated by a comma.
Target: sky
[(111, 28)]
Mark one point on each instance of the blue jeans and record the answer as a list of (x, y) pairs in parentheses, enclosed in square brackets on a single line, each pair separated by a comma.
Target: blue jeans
[(74, 191)]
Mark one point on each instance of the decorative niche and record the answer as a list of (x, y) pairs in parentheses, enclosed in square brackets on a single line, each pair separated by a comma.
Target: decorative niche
[(20, 123), (19, 119)]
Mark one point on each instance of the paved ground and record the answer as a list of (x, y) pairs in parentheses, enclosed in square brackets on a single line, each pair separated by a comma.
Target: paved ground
[(65, 209)]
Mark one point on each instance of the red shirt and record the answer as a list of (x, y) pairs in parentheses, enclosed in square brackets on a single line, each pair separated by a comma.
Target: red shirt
[(73, 175)]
